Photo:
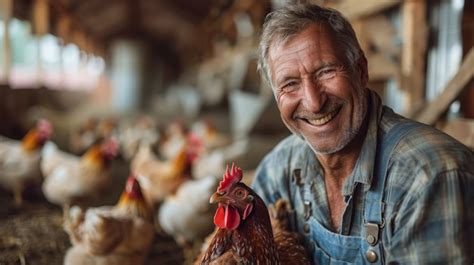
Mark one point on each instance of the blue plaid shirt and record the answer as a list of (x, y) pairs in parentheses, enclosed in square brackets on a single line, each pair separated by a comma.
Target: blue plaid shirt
[(429, 192)]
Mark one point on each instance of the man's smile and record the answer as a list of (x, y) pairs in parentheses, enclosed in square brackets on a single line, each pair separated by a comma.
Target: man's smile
[(319, 120)]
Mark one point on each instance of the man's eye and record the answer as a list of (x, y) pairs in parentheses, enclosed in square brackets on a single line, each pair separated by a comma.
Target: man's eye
[(326, 73), (289, 86)]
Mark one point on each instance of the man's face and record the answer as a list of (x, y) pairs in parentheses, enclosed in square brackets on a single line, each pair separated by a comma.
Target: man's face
[(318, 95)]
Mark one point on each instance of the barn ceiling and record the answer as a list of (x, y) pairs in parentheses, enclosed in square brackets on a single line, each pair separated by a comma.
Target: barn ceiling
[(181, 25)]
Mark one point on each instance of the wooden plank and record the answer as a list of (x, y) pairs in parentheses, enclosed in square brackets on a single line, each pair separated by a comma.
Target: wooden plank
[(360, 29), (353, 9), (7, 9), (437, 107), (40, 14), (462, 130), (467, 30), (414, 48), (382, 35), (381, 67)]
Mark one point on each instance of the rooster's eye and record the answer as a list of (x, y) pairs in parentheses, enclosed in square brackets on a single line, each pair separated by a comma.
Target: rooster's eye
[(240, 193)]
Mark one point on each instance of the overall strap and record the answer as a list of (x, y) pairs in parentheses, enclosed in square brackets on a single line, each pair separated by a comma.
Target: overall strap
[(374, 202)]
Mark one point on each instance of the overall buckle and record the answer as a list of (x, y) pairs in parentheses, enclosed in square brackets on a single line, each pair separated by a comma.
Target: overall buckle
[(372, 233)]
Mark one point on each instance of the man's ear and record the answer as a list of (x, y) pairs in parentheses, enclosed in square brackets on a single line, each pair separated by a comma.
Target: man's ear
[(363, 71)]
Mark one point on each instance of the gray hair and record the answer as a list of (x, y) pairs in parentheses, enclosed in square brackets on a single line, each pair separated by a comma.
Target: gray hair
[(282, 24)]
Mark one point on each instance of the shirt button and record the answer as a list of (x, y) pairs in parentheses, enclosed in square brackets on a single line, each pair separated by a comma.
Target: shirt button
[(371, 256), (306, 228)]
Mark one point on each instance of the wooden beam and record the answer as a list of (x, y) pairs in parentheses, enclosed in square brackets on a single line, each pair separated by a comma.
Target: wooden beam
[(415, 31), (7, 10), (462, 130), (467, 30), (382, 35), (353, 9), (381, 67), (40, 14), (433, 111)]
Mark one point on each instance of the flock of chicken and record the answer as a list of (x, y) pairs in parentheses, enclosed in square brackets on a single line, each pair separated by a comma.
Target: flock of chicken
[(173, 177)]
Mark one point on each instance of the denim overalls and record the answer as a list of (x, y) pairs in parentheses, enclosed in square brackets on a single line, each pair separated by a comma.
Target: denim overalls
[(334, 248)]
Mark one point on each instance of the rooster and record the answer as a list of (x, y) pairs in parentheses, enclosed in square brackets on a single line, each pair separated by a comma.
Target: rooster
[(119, 235), (20, 161), (70, 179), (245, 234)]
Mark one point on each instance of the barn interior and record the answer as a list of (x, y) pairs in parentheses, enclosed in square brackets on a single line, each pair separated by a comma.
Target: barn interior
[(152, 72)]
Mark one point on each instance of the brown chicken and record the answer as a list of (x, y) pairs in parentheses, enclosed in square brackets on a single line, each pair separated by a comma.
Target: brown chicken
[(20, 161), (159, 178), (245, 234), (119, 235), (70, 179)]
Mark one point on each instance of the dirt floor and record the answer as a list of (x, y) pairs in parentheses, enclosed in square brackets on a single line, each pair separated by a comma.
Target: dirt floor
[(33, 234)]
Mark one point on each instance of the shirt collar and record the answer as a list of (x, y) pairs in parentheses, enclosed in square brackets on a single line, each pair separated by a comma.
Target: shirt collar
[(363, 170)]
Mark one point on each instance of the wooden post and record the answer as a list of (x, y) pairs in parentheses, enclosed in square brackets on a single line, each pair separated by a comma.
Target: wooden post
[(40, 17), (64, 28), (413, 53), (467, 97), (40, 14), (7, 8)]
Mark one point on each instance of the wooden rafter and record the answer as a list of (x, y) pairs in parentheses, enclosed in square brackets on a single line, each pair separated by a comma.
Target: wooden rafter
[(433, 111), (354, 9), (462, 130)]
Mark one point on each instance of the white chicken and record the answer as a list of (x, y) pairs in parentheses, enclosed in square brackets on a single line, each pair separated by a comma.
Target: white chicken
[(211, 138), (118, 235), (70, 179), (20, 161), (187, 215), (173, 140), (143, 129), (214, 162)]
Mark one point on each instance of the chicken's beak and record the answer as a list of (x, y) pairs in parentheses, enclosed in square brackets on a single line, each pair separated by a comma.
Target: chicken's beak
[(217, 198)]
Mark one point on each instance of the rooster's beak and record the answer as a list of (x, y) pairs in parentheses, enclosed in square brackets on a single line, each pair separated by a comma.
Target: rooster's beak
[(217, 197)]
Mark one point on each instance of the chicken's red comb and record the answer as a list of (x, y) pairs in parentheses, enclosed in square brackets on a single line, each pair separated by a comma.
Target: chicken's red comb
[(110, 146), (44, 128), (132, 187), (232, 176)]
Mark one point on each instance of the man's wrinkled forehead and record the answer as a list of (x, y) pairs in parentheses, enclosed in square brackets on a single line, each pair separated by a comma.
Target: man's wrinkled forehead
[(280, 39), (315, 37)]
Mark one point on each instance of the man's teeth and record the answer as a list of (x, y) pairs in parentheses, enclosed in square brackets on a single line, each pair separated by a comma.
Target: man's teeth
[(324, 119)]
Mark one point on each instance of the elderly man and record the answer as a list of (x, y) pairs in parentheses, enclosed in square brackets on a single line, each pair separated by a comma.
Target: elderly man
[(366, 185)]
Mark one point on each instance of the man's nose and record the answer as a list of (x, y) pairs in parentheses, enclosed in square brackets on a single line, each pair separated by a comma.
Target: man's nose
[(314, 97)]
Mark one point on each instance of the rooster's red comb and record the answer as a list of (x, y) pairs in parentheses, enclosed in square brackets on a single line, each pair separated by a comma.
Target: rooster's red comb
[(232, 176)]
